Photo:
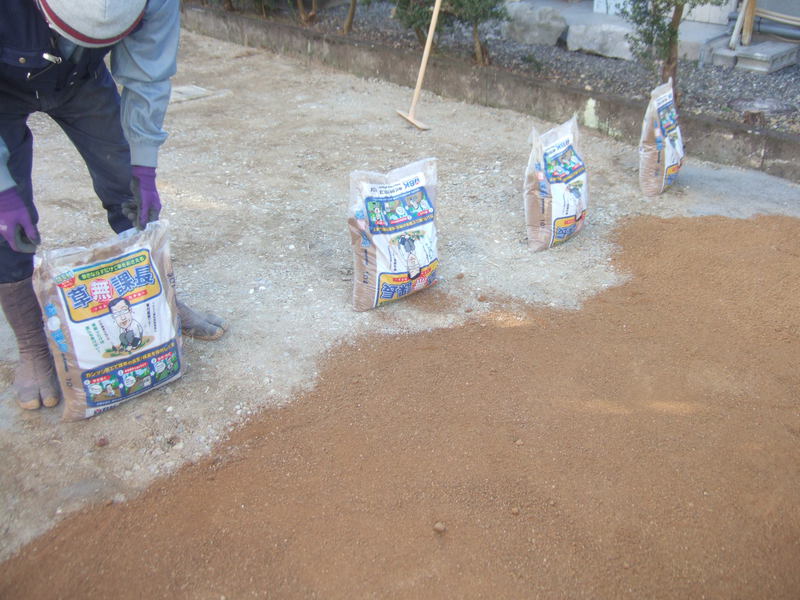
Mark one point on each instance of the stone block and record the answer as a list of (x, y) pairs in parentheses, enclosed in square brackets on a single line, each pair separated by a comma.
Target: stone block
[(605, 39), (723, 57), (527, 24), (766, 57)]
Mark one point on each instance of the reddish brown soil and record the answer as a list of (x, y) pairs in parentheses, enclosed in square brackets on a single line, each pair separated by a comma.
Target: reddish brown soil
[(646, 446)]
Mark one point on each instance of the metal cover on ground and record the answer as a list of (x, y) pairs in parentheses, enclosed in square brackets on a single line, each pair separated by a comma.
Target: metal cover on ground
[(183, 93)]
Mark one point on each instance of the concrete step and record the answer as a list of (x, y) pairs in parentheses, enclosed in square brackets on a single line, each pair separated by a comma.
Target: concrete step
[(767, 57)]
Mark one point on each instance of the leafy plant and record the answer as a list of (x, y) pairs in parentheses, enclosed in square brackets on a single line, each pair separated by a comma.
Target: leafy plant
[(347, 26), (416, 15), (473, 13), (351, 15), (655, 38), (533, 62), (265, 7)]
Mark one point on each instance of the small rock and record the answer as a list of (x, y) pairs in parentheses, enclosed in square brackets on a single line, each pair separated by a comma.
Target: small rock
[(467, 310), (460, 276), (101, 441), (519, 442), (481, 298), (515, 511), (439, 527)]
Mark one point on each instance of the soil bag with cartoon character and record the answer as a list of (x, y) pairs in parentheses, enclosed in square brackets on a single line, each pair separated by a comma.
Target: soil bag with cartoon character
[(110, 318), (393, 233), (556, 191), (661, 146)]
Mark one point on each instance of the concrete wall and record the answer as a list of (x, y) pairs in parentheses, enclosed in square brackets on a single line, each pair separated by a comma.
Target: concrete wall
[(718, 141), (786, 7), (703, 13)]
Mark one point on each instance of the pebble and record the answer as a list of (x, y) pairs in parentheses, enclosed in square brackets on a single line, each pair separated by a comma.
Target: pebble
[(101, 442), (439, 527)]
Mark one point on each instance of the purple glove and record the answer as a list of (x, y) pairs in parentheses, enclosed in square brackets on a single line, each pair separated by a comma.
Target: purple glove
[(16, 225), (146, 203)]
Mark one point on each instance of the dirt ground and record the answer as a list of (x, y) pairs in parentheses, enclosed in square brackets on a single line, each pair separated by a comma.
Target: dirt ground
[(617, 417)]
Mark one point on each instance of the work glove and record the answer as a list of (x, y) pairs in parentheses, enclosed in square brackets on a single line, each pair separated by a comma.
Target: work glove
[(146, 203), (16, 225)]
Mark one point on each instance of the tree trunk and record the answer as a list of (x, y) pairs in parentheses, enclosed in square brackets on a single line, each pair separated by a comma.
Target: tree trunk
[(670, 66), (305, 16), (421, 37), (481, 53), (228, 5), (351, 15)]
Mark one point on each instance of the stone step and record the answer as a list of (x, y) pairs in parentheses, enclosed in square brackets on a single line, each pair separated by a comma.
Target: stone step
[(767, 57)]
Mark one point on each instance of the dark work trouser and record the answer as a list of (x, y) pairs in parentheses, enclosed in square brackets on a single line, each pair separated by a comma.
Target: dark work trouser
[(89, 113)]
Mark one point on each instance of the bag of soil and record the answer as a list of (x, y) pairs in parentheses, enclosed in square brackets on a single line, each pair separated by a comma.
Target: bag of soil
[(111, 319), (556, 192), (393, 233), (661, 146)]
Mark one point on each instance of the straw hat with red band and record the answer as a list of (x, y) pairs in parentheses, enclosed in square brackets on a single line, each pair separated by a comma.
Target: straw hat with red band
[(93, 23)]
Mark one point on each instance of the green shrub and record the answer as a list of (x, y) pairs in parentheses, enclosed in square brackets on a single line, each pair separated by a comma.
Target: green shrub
[(475, 12)]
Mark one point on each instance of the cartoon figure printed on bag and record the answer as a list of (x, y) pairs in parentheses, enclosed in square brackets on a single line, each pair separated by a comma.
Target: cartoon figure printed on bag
[(673, 140), (103, 391), (562, 165), (131, 334), (166, 366), (137, 378), (668, 117), (395, 212), (418, 204), (408, 244), (375, 213), (575, 189)]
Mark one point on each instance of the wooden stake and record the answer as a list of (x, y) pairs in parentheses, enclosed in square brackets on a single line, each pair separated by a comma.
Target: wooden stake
[(747, 26), (737, 28)]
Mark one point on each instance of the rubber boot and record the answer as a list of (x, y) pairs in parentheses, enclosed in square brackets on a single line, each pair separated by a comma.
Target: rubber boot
[(199, 325), (35, 379)]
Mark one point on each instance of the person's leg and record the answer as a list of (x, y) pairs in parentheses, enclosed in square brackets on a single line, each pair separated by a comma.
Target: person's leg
[(90, 116), (35, 378), (200, 325), (91, 119), (14, 112)]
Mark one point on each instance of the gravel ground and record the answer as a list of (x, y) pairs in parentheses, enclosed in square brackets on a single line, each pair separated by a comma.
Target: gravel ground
[(709, 90), (255, 181)]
